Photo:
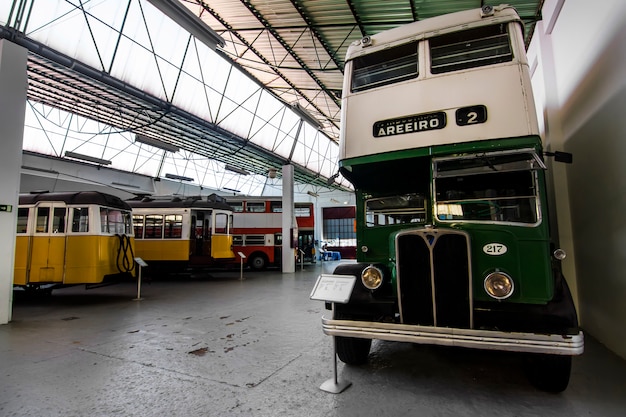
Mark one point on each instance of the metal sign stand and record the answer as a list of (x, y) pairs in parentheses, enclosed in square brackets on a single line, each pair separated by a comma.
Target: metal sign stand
[(334, 289), (141, 264), (333, 385), (242, 257)]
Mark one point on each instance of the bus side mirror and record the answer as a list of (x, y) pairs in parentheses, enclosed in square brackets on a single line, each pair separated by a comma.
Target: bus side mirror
[(564, 157)]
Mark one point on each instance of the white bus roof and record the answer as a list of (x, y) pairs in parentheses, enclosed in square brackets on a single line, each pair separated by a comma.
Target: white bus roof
[(432, 27)]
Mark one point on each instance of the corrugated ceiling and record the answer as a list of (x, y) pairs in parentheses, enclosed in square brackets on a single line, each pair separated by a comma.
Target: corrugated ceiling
[(294, 48)]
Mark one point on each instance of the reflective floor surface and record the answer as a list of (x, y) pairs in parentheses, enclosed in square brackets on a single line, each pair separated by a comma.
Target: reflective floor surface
[(211, 344)]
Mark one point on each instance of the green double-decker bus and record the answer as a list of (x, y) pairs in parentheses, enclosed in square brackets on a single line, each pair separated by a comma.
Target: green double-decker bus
[(440, 140)]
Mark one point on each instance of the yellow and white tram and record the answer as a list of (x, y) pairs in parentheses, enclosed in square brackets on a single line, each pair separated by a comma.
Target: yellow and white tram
[(72, 238), (173, 233)]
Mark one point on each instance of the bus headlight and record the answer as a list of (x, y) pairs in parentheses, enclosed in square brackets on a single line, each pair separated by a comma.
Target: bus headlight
[(499, 285), (372, 277)]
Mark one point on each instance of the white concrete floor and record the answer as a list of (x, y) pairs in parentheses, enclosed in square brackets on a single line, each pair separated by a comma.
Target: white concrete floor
[(218, 346)]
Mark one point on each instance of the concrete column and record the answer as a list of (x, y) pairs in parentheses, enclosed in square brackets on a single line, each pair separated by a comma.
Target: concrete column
[(13, 86), (289, 224)]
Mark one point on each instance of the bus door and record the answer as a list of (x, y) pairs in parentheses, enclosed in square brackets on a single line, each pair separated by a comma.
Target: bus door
[(278, 248), (47, 257), (305, 244), (222, 239)]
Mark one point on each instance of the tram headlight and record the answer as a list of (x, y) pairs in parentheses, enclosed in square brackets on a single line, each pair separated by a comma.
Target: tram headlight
[(372, 277), (499, 285)]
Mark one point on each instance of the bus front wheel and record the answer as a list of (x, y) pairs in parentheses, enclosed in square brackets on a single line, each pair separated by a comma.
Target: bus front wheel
[(549, 373), (257, 262), (351, 350)]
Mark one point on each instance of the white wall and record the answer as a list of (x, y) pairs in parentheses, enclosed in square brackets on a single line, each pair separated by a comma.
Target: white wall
[(580, 51)]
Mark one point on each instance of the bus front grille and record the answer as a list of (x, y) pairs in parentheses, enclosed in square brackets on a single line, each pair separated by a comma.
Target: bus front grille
[(434, 278)]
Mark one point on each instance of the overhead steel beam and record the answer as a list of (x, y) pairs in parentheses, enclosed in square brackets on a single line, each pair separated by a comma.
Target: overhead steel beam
[(289, 50)]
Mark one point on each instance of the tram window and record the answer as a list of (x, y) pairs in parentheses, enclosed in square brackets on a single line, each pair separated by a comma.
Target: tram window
[(112, 221), (128, 222), (58, 220), (276, 206), (80, 219), (388, 66), (470, 49), (173, 226), (43, 217), (221, 223), (138, 226), (154, 226), (255, 207), (22, 219)]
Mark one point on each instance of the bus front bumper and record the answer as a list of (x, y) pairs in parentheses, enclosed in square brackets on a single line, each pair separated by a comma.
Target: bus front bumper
[(469, 338)]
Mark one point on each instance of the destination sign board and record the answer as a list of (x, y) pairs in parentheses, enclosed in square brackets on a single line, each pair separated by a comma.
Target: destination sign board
[(409, 124)]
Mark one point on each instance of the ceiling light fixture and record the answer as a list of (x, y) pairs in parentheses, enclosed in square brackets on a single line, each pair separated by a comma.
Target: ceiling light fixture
[(156, 143), (306, 116), (178, 177), (190, 22), (236, 170), (87, 158)]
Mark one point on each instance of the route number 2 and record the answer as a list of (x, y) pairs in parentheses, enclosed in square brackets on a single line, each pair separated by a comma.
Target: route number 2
[(471, 115)]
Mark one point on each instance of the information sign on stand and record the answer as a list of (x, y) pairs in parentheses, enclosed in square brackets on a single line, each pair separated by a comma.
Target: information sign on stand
[(334, 289)]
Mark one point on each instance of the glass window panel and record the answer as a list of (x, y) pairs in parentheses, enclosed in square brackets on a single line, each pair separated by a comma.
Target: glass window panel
[(221, 223), (276, 206), (254, 240), (396, 209), (173, 226), (138, 226), (22, 219), (43, 217), (384, 67), (58, 220), (154, 227), (469, 49), (255, 207), (80, 219)]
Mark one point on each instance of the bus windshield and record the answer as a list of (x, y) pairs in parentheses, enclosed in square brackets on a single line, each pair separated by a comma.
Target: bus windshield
[(490, 188), (396, 209)]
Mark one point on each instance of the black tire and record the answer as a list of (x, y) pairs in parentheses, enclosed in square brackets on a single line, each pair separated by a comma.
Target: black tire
[(257, 262), (549, 373), (352, 351)]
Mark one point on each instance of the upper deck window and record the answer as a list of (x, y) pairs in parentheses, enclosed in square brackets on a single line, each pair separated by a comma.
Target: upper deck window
[(385, 67), (470, 48), (237, 206), (255, 207)]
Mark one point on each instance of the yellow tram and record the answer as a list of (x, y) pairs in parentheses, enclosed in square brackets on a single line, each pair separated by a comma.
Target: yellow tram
[(72, 238), (173, 233)]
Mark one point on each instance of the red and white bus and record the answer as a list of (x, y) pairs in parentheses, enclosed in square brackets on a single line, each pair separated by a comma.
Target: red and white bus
[(257, 230)]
